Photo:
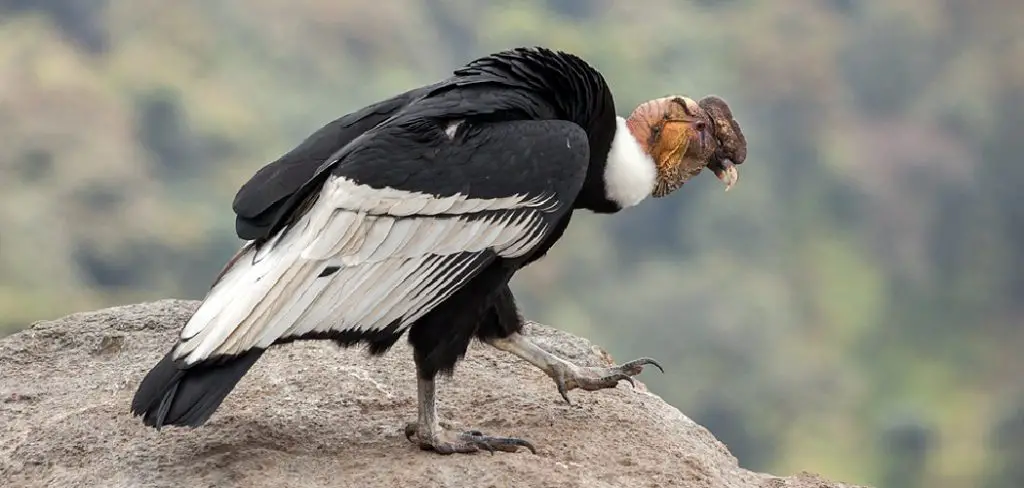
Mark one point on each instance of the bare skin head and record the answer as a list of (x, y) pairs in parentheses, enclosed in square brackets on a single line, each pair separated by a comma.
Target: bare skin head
[(684, 136)]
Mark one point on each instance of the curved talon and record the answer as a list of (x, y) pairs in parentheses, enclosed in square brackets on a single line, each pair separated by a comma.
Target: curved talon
[(597, 378), (632, 383), (410, 431), (643, 362), (523, 443), (492, 444), (562, 390), (480, 443), (565, 394)]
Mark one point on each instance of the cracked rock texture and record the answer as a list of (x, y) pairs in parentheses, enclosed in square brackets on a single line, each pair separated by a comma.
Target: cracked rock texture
[(310, 414)]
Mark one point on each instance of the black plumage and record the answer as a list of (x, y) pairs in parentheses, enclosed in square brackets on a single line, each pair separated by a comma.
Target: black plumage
[(409, 215)]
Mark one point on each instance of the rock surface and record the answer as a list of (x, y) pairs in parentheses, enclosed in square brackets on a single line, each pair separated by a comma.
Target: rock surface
[(310, 414)]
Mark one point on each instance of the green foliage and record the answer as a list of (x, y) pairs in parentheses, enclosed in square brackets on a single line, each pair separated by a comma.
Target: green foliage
[(852, 307)]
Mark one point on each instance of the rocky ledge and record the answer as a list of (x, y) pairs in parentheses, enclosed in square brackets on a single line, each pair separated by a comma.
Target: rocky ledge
[(310, 414)]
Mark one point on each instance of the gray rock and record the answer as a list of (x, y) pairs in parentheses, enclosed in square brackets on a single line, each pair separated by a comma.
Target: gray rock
[(310, 414)]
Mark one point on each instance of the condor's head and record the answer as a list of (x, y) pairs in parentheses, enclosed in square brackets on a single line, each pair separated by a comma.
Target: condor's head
[(670, 140)]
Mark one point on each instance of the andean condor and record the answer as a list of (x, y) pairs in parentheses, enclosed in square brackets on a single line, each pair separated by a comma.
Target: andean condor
[(412, 214)]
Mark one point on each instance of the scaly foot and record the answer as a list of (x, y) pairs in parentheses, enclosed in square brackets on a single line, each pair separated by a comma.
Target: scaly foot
[(568, 376), (444, 441)]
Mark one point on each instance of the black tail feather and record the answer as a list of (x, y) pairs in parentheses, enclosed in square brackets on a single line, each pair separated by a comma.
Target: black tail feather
[(169, 395)]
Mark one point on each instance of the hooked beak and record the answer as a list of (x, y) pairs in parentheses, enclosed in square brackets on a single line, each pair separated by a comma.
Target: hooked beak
[(726, 172)]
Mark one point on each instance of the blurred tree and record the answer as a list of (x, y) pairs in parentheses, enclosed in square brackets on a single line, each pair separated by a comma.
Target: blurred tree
[(846, 7), (732, 426), (1006, 442), (906, 441), (104, 271), (163, 130), (81, 21), (35, 165), (459, 38), (575, 10), (1002, 169), (889, 63)]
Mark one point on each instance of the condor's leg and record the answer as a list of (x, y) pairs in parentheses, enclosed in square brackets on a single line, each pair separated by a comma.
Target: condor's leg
[(501, 330), (439, 339), (430, 435), (569, 376)]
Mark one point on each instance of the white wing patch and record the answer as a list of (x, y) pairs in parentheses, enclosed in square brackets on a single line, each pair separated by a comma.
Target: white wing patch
[(358, 260)]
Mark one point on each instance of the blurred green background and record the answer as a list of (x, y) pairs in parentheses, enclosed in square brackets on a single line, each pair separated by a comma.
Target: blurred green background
[(853, 307)]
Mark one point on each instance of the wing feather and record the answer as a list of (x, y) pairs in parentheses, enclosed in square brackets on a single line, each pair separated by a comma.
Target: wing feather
[(386, 263)]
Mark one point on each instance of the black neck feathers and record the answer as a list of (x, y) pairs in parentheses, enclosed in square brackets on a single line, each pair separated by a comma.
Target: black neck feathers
[(577, 92)]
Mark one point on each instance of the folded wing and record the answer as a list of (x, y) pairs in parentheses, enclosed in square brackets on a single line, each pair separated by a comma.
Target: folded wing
[(376, 249)]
